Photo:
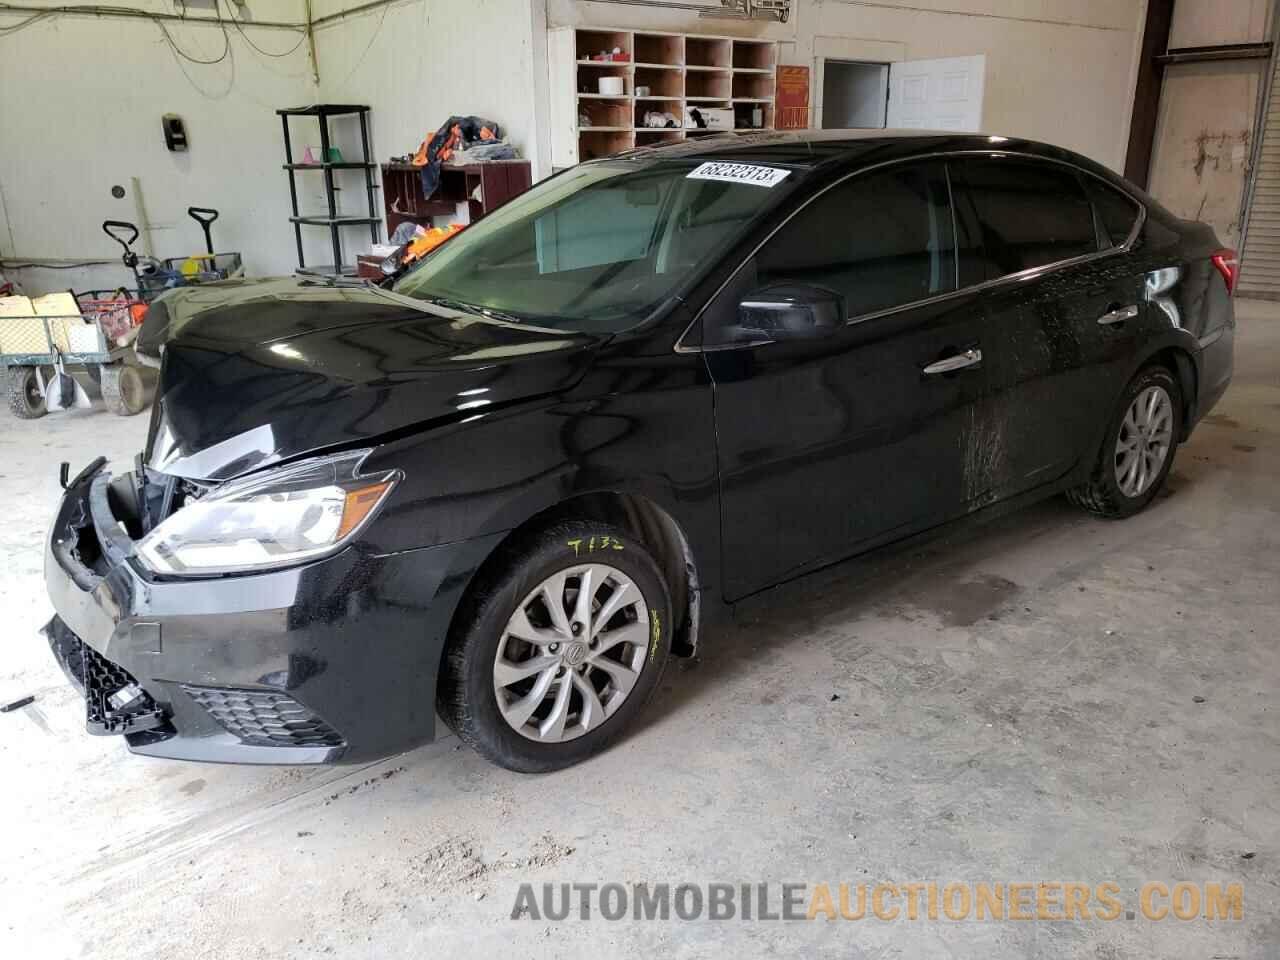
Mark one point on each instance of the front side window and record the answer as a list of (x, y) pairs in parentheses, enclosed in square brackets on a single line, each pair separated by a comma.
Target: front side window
[(1025, 214), (881, 240), (597, 249)]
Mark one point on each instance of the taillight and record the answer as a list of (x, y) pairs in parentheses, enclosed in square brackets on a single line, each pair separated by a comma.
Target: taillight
[(1228, 265)]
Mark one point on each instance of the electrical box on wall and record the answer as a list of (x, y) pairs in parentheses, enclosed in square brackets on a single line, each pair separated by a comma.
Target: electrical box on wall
[(175, 132)]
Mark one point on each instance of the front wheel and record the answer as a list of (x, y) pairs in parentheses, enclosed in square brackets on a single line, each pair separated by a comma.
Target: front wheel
[(26, 399), (554, 655), (1137, 453)]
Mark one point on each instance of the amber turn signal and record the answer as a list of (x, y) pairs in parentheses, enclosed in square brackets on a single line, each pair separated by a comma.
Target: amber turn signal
[(360, 504)]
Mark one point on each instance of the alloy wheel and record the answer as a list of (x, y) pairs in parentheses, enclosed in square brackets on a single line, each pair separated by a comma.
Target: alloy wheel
[(1145, 440), (571, 653)]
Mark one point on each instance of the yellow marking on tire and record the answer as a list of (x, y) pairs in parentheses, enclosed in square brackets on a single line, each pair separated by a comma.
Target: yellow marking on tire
[(592, 545)]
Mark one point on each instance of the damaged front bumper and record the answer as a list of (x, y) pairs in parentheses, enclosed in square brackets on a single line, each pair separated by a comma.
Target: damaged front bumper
[(333, 660), (114, 703)]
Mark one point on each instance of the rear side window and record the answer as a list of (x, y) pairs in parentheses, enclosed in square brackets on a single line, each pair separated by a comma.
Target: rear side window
[(1117, 211), (1023, 214), (881, 240)]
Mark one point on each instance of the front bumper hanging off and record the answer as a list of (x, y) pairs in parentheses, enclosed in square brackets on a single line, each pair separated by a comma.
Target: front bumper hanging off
[(114, 701), (330, 661)]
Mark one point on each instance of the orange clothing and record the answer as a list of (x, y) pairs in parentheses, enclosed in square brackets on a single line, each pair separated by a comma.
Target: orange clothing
[(424, 243)]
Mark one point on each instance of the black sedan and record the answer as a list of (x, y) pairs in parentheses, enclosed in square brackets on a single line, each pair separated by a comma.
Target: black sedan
[(510, 483)]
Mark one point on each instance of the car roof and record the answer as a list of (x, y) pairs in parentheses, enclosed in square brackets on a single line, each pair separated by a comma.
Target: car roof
[(810, 149)]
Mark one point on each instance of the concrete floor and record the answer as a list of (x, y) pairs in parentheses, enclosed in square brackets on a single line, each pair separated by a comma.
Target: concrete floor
[(1017, 703)]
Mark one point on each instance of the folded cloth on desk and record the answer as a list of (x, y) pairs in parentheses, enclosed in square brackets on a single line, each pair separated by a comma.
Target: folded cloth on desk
[(488, 150)]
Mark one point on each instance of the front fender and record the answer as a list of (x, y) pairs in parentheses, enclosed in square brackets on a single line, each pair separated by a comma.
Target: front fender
[(652, 434)]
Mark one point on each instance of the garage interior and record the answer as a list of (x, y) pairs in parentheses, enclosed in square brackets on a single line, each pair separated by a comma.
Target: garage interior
[(1044, 698)]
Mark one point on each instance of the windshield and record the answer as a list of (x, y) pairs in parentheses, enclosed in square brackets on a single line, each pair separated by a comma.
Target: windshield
[(599, 248)]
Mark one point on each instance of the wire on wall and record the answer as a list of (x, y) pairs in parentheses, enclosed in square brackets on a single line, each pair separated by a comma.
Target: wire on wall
[(162, 20), (23, 24), (367, 47), (173, 45), (231, 16), (48, 265), (106, 10)]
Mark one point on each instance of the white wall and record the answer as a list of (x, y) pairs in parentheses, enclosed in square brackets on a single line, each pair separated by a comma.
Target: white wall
[(418, 62), (1204, 133), (1057, 70), (1198, 23), (83, 99), (80, 112)]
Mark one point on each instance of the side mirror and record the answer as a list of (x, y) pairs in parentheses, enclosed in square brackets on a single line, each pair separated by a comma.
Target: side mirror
[(793, 312)]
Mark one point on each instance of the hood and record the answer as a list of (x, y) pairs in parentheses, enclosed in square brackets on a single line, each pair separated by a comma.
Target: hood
[(258, 372)]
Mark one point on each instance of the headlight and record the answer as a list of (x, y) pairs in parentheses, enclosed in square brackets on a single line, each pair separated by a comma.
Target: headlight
[(272, 519)]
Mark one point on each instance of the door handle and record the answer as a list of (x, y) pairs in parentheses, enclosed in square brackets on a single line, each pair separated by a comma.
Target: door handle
[(1118, 316), (970, 358)]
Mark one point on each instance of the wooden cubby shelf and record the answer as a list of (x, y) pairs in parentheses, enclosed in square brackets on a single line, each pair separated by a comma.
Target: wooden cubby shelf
[(709, 51), (678, 70), (664, 48)]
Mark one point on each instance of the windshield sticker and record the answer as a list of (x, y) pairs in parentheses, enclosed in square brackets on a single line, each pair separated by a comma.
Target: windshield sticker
[(740, 173)]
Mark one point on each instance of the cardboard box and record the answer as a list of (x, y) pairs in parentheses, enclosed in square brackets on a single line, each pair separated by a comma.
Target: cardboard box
[(713, 118)]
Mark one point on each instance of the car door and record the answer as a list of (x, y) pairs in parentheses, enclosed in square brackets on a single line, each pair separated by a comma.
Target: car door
[(1063, 311), (832, 444)]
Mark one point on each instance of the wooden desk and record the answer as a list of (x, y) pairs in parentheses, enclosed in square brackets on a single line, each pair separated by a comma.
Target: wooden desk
[(498, 180)]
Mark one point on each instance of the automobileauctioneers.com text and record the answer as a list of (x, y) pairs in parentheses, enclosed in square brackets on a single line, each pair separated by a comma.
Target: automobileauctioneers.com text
[(887, 902)]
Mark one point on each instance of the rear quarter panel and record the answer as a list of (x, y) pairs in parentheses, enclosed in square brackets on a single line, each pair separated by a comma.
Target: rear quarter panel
[(1190, 303)]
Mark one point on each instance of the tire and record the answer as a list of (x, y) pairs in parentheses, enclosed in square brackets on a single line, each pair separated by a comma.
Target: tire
[(26, 402), (468, 696), (123, 389), (1104, 494)]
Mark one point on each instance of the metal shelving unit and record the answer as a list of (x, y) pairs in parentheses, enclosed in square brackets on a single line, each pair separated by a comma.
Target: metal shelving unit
[(333, 220)]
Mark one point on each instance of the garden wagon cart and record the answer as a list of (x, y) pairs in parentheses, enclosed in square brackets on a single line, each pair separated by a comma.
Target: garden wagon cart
[(153, 277), (37, 349), (96, 330)]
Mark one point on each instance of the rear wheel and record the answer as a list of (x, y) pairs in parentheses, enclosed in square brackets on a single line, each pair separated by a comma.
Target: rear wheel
[(1138, 451), (26, 401), (554, 655), (123, 389)]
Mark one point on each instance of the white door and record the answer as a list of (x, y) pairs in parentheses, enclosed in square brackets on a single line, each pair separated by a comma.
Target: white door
[(937, 94)]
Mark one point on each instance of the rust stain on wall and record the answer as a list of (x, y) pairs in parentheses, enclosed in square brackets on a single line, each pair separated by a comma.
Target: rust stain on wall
[(1216, 147)]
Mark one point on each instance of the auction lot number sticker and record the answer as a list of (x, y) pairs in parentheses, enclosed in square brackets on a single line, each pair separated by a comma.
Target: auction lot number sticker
[(740, 173)]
